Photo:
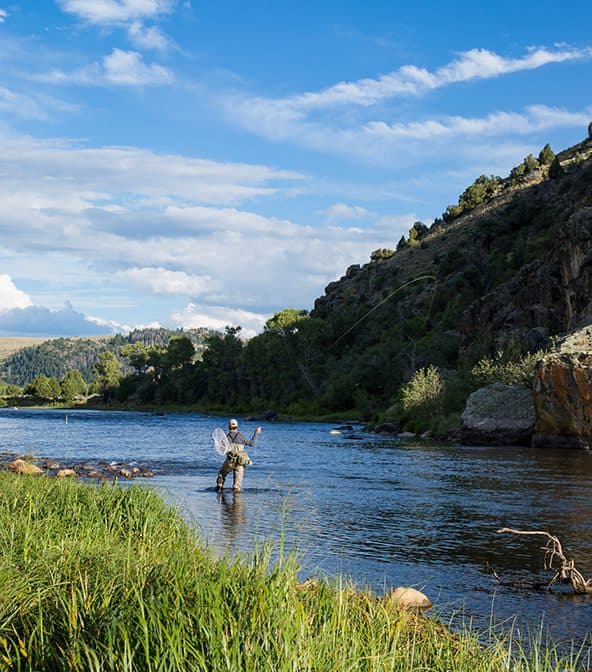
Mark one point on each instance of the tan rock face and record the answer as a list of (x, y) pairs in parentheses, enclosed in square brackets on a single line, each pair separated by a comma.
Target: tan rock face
[(563, 394)]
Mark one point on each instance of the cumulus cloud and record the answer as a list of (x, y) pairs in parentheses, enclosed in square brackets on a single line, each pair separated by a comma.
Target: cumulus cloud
[(219, 317), (145, 220), (119, 68), (3, 15), (10, 296), (39, 321), (162, 281)]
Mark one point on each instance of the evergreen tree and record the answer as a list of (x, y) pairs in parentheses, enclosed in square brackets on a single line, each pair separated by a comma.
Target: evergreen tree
[(73, 385), (546, 155)]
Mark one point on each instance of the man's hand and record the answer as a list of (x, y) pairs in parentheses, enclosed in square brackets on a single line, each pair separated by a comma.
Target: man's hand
[(258, 430)]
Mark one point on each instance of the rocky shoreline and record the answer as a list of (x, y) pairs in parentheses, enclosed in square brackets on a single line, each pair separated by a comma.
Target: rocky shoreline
[(38, 466)]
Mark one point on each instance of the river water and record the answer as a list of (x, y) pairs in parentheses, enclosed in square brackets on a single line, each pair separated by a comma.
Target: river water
[(383, 511)]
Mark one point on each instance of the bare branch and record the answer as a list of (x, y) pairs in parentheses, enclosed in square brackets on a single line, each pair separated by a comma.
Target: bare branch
[(555, 559)]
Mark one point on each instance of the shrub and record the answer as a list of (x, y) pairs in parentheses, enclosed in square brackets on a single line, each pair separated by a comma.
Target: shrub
[(382, 253), (501, 369), (422, 396)]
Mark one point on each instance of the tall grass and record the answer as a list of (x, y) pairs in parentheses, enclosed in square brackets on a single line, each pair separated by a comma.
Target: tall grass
[(104, 578)]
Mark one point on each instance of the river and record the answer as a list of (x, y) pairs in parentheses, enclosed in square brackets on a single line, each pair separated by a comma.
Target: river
[(384, 512)]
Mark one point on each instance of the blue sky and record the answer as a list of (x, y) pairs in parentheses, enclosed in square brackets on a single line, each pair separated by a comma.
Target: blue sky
[(179, 163)]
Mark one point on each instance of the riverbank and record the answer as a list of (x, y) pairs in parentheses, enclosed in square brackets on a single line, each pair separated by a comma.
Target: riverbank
[(110, 578)]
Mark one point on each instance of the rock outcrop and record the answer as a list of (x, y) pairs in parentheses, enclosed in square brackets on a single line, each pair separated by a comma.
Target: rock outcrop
[(548, 296), (498, 415), (563, 394)]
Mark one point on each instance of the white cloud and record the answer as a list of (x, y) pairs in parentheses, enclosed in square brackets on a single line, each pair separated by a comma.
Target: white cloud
[(219, 317), (40, 321), (3, 15), (10, 296), (32, 106), (413, 80), (147, 37), (341, 211), (535, 118), (101, 177), (162, 281), (116, 11), (309, 119), (119, 68)]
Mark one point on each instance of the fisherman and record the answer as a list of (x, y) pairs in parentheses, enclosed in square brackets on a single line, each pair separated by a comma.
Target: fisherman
[(236, 458)]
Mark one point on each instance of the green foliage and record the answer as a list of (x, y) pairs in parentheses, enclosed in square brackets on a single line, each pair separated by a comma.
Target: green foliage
[(107, 375), (402, 244), (73, 385), (590, 130), (504, 368), (380, 254), (417, 232), (44, 388), (546, 155), (286, 321), (57, 356), (420, 400), (9, 390)]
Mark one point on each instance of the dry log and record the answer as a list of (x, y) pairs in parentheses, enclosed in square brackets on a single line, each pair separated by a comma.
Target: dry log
[(556, 560)]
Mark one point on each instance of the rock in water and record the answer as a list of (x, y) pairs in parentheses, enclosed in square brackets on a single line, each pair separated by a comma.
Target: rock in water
[(563, 394), (25, 468), (498, 415)]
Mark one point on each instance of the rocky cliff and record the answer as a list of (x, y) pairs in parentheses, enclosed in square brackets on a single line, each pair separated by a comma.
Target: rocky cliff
[(563, 394)]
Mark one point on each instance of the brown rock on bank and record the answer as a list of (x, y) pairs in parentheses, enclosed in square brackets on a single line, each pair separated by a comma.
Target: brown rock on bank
[(563, 394)]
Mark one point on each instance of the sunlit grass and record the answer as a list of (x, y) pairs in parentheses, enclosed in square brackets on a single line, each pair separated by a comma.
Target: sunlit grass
[(110, 578)]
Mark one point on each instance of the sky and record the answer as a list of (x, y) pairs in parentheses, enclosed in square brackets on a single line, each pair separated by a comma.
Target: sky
[(187, 164)]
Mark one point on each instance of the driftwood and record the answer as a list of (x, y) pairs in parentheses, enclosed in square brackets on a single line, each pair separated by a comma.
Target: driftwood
[(555, 560)]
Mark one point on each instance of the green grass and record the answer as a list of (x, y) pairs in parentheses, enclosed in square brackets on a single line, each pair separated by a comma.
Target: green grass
[(109, 578)]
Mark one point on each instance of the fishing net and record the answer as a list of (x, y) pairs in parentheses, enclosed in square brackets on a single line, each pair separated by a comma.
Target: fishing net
[(221, 442)]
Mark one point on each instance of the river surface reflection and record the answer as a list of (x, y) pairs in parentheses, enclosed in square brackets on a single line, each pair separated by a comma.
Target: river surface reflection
[(385, 512)]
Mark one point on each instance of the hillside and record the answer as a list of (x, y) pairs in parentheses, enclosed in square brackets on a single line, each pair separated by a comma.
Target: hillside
[(56, 356), (491, 277), (9, 344)]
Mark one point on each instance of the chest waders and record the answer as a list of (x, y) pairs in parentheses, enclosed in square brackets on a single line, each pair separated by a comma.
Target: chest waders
[(236, 460)]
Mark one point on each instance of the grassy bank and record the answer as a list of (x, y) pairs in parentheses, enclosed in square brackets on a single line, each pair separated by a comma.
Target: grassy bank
[(109, 578)]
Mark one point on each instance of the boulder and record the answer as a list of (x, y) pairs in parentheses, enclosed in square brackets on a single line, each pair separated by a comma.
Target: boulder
[(25, 468), (66, 473), (408, 598), (498, 415), (563, 394)]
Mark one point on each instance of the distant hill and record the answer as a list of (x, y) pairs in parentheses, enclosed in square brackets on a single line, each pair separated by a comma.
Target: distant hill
[(9, 344), (56, 356)]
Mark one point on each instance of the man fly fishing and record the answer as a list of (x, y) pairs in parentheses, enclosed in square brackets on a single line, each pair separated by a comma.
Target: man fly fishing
[(236, 458)]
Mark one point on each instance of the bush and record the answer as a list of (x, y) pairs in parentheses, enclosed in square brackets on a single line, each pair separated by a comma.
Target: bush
[(501, 369), (421, 398), (382, 253)]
